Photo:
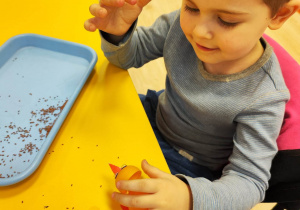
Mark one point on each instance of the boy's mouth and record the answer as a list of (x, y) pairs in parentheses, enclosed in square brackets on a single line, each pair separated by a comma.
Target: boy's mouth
[(205, 48)]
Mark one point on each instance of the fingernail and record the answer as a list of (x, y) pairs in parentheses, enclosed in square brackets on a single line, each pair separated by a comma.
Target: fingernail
[(113, 195), (118, 185)]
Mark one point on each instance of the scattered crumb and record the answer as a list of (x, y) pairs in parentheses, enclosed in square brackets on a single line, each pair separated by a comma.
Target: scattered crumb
[(44, 119)]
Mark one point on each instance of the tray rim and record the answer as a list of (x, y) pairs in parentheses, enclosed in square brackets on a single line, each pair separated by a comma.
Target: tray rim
[(71, 100)]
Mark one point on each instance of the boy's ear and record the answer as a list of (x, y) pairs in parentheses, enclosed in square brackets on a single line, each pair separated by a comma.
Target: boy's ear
[(284, 13)]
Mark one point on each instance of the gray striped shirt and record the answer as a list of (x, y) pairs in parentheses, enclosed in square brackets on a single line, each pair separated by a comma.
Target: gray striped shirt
[(218, 121)]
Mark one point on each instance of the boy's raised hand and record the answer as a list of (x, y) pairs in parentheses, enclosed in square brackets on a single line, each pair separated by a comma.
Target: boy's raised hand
[(164, 191), (114, 16)]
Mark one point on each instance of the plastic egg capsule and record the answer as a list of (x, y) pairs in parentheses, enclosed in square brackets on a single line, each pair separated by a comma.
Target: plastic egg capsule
[(127, 173)]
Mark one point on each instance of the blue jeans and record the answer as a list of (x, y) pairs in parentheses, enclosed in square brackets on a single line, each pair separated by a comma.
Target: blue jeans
[(176, 162)]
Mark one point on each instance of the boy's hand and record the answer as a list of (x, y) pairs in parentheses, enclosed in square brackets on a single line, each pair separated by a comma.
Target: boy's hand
[(114, 16), (164, 191)]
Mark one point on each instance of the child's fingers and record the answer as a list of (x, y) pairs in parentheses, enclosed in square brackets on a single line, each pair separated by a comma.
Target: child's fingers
[(132, 2), (89, 26), (143, 3), (136, 201), (95, 23), (139, 185), (112, 3), (98, 11), (117, 3), (152, 171)]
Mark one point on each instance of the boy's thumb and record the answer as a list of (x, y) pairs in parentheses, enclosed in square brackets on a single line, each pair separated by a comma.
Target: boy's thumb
[(152, 171), (143, 3)]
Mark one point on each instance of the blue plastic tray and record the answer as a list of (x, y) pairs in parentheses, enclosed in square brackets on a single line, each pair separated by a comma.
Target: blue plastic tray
[(40, 78)]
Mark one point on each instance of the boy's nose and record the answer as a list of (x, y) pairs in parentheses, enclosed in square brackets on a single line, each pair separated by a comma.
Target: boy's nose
[(203, 31)]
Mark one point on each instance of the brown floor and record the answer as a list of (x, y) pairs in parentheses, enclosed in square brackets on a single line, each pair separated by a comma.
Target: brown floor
[(152, 75)]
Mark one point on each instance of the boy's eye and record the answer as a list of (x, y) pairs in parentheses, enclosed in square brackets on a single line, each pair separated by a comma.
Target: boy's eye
[(222, 22), (190, 9), (226, 24)]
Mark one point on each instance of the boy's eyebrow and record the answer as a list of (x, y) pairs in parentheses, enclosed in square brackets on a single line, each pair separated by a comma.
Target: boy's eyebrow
[(231, 12), (191, 2)]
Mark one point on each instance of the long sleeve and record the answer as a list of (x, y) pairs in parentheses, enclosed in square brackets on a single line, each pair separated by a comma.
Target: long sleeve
[(245, 178), (140, 45), (228, 122)]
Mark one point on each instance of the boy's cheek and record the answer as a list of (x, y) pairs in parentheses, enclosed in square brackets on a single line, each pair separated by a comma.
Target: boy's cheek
[(186, 24)]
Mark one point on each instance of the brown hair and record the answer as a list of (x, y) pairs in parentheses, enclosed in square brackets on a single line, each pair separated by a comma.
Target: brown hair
[(275, 5)]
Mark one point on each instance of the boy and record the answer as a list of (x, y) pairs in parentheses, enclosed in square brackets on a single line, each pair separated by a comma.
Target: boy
[(224, 101)]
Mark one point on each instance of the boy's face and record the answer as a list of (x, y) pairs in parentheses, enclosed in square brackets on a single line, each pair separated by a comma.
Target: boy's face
[(224, 32)]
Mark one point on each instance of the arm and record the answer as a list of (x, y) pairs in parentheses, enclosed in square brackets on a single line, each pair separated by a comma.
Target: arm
[(139, 45), (245, 178), (114, 16), (116, 20)]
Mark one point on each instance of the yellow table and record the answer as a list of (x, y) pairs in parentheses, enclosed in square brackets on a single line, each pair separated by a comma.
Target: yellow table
[(107, 123)]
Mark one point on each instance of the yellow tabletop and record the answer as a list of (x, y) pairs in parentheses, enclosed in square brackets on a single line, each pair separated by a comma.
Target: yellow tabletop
[(106, 124)]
